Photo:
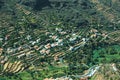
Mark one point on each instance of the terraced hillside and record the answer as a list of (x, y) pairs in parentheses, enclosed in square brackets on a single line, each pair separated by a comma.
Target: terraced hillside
[(59, 40), (108, 11)]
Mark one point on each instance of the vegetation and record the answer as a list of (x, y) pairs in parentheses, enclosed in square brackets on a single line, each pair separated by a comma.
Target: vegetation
[(59, 39)]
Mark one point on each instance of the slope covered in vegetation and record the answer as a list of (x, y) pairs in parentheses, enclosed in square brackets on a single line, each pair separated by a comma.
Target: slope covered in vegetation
[(59, 40)]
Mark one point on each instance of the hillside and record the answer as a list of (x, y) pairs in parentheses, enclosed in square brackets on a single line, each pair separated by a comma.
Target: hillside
[(59, 40)]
